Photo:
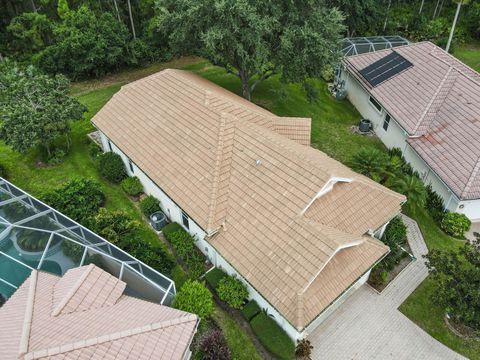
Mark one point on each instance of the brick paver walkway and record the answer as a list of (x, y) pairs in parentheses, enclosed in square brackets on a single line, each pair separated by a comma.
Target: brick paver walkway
[(369, 326)]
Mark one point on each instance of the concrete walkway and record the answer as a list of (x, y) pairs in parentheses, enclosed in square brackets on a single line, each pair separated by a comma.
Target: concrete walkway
[(369, 326)]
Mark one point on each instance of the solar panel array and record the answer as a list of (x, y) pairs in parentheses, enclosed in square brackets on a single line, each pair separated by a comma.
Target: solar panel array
[(385, 68)]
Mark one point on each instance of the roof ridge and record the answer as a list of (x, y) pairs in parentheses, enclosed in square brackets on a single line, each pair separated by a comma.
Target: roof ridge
[(457, 62), (220, 157), (433, 101), (473, 175), (52, 351), (27, 321), (56, 311)]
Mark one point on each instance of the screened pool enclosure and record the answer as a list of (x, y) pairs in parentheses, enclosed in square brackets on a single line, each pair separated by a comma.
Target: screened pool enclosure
[(35, 236), (361, 45)]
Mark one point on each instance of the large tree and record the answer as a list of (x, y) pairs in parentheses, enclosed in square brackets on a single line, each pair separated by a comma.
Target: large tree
[(35, 109), (362, 17), (457, 279), (255, 39)]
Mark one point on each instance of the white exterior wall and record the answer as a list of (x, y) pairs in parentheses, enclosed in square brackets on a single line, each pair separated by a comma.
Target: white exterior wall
[(174, 213), (395, 136)]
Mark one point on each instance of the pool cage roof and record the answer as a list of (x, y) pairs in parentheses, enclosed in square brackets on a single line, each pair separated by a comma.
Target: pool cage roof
[(361, 45), (35, 236)]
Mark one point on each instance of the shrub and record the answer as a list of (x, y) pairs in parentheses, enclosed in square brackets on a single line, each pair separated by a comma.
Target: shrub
[(154, 256), (79, 199), (328, 73), (57, 157), (378, 275), (115, 226), (303, 349), (132, 186), (170, 228), (94, 150), (371, 163), (272, 336), (214, 276), (232, 291), (149, 204), (195, 298), (111, 167), (184, 245), (395, 236), (213, 346), (73, 250), (435, 205), (3, 171), (455, 224), (250, 310)]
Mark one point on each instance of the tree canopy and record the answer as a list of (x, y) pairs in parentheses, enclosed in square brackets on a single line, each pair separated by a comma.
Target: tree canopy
[(255, 40), (457, 279), (35, 109)]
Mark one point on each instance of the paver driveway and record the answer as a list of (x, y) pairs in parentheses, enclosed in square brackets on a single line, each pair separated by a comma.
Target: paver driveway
[(369, 326)]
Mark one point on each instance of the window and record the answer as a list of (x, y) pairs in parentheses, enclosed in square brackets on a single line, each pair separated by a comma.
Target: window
[(185, 220), (110, 145), (375, 104), (130, 164), (386, 122)]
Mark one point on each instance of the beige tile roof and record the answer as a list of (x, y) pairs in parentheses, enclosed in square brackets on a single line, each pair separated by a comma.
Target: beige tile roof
[(437, 102), (85, 316), (246, 177)]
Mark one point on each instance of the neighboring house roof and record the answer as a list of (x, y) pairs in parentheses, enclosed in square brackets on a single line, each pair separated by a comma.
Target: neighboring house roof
[(437, 101), (84, 315), (247, 178)]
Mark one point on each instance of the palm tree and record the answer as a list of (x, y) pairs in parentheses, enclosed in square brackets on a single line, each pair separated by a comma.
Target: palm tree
[(421, 7), (386, 15), (131, 19), (459, 5), (370, 162), (412, 187)]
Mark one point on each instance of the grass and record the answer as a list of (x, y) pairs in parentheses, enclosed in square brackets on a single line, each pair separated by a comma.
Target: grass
[(239, 342), (272, 336), (419, 308), (469, 54)]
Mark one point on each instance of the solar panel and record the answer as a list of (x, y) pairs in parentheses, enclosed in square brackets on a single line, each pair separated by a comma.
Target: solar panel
[(385, 68)]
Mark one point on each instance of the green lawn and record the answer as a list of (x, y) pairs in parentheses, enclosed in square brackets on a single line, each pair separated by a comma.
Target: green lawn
[(239, 342), (469, 54)]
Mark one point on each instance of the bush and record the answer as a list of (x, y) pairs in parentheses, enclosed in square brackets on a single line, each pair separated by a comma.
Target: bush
[(434, 205), (3, 171), (250, 310), (213, 346), (272, 336), (328, 73), (132, 186), (232, 291), (111, 167), (303, 349), (94, 150), (378, 276), (149, 204), (214, 276), (184, 245), (79, 199), (195, 298), (455, 224), (57, 157), (395, 237), (115, 226), (154, 256)]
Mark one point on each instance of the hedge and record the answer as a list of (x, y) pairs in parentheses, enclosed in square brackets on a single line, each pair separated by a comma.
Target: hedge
[(111, 167), (232, 291), (272, 336), (214, 276), (149, 204), (250, 310), (170, 228), (132, 186)]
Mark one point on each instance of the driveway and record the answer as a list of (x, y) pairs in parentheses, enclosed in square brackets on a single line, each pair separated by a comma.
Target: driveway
[(369, 326)]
